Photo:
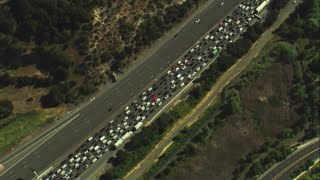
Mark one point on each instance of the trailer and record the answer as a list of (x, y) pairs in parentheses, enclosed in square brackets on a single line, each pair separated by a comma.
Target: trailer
[(138, 125), (126, 136), (262, 6), (118, 143)]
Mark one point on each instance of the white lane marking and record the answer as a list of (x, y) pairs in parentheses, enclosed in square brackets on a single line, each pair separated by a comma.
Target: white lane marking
[(48, 136)]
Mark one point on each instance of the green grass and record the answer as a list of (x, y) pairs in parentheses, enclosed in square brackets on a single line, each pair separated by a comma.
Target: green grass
[(21, 125)]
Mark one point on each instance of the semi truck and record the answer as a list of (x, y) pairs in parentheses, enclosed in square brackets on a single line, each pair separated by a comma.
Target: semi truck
[(122, 139), (138, 125)]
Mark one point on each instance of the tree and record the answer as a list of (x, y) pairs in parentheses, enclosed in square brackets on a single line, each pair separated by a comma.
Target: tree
[(225, 60), (87, 88), (7, 23), (6, 108), (255, 169), (54, 98), (233, 103)]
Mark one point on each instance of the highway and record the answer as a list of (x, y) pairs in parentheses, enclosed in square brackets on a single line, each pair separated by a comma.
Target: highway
[(95, 114), (284, 169)]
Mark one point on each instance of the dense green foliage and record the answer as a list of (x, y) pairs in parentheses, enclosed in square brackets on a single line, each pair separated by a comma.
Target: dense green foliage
[(6, 108), (49, 21)]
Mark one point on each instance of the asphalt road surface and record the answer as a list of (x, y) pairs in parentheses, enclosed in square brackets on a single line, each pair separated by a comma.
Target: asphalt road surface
[(283, 170), (95, 114)]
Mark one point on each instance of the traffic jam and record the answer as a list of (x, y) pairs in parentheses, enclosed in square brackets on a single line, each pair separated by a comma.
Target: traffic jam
[(134, 116)]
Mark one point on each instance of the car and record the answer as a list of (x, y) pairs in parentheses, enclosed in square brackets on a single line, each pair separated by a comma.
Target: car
[(127, 108), (181, 78), (150, 89), (169, 72), (198, 20), (189, 76), (144, 98), (178, 76), (159, 104), (71, 160), (166, 96), (182, 84), (77, 165), (90, 139), (172, 82), (198, 68), (173, 86), (94, 160), (204, 64)]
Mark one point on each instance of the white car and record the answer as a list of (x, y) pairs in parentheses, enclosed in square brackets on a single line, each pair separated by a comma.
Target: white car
[(143, 117), (173, 86), (179, 75), (150, 89), (127, 108), (169, 72), (198, 68), (184, 67), (221, 4), (198, 20), (182, 84), (207, 37), (172, 82), (94, 160), (166, 96), (181, 79)]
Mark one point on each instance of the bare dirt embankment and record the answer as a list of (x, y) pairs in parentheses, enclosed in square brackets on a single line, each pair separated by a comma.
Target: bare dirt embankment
[(266, 111)]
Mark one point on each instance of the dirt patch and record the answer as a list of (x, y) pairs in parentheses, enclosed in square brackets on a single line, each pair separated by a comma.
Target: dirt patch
[(19, 98), (221, 154), (268, 100), (266, 112)]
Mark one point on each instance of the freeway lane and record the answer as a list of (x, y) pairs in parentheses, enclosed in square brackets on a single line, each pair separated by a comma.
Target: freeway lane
[(286, 167), (116, 96)]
